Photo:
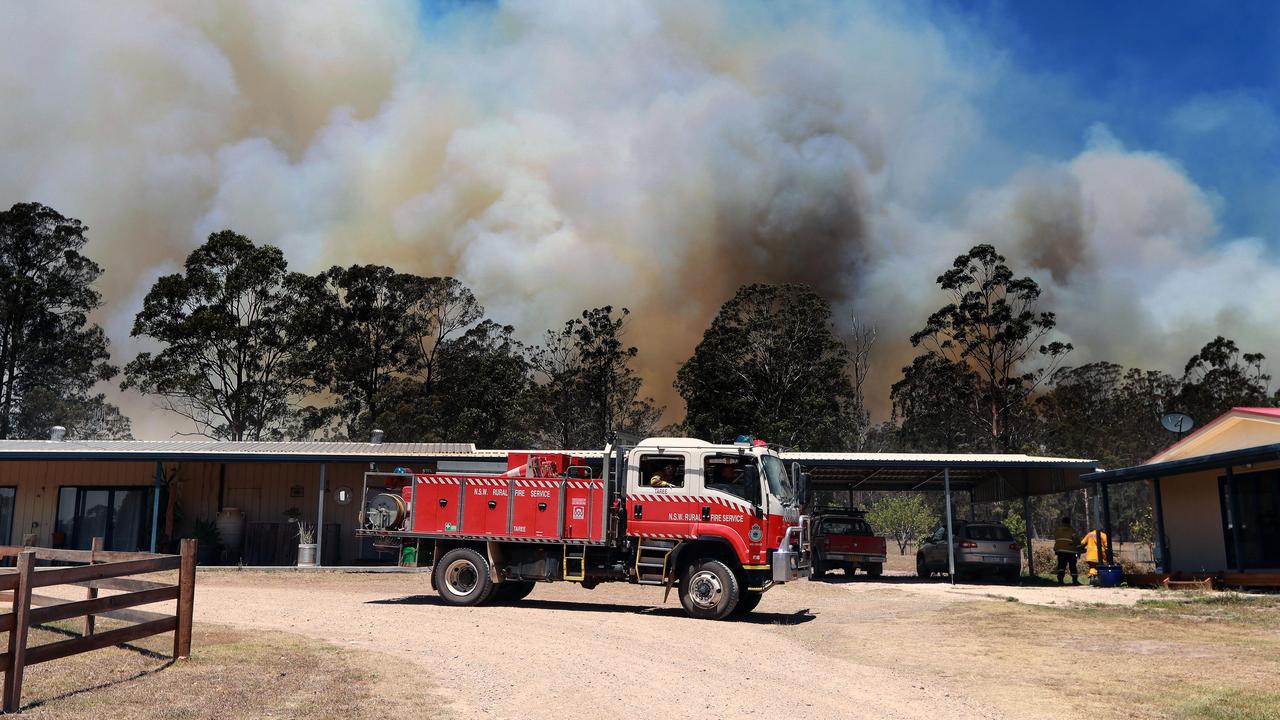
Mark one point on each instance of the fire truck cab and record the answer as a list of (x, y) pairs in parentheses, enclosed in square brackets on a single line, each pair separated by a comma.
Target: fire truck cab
[(720, 524)]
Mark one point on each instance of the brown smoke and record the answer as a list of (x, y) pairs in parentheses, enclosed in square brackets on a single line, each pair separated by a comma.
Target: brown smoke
[(561, 155)]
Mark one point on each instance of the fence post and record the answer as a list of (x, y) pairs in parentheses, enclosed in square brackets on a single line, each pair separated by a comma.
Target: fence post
[(186, 599), (18, 636), (92, 592)]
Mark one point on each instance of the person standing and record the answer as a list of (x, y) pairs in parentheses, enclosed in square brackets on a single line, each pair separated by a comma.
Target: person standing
[(1095, 551), (1066, 545)]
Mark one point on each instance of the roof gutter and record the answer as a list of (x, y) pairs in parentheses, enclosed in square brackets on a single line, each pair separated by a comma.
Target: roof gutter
[(1230, 458)]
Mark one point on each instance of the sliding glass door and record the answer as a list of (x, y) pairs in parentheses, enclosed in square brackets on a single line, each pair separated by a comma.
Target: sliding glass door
[(1259, 503), (119, 515)]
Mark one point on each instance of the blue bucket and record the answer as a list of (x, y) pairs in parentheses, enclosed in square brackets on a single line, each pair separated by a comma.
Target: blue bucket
[(1110, 576)]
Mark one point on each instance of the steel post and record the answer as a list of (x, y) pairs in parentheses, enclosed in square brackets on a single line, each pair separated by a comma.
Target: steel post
[(1026, 519), (320, 517), (1106, 524), (1159, 508), (951, 540), (155, 504)]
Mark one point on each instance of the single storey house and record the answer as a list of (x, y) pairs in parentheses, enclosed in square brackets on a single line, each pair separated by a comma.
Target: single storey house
[(1216, 495)]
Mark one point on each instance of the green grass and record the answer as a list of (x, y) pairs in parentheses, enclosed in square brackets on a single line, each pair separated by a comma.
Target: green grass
[(1232, 705)]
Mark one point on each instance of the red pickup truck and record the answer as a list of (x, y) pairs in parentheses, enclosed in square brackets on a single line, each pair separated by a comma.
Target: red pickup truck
[(843, 539)]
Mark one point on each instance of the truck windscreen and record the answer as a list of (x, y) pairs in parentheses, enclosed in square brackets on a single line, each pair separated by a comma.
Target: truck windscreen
[(779, 481)]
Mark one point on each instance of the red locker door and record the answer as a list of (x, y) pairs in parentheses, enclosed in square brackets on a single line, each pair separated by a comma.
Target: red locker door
[(582, 509), (436, 504), (536, 506), (487, 501)]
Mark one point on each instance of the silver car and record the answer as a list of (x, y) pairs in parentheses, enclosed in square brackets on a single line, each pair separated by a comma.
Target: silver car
[(981, 548)]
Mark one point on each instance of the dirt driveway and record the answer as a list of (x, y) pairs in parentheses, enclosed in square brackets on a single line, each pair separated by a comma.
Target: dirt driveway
[(893, 649)]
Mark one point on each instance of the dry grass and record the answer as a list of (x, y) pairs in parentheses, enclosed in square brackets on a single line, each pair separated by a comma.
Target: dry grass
[(231, 674), (1177, 655), (1197, 656)]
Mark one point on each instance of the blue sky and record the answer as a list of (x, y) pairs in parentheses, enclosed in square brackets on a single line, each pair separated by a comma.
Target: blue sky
[(1196, 80)]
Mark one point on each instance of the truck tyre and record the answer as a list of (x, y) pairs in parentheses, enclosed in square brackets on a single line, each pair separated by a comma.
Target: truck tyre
[(748, 602), (819, 569), (922, 568), (462, 577), (510, 591), (875, 570), (709, 590)]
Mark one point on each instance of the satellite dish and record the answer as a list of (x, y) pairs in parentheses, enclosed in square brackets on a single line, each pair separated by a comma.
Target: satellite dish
[(1176, 422)]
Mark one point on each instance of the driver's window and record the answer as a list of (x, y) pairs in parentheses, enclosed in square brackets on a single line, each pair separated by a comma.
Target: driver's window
[(726, 473), (661, 471), (940, 535)]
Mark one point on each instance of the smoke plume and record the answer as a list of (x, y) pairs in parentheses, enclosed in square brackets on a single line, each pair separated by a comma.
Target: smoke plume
[(556, 156)]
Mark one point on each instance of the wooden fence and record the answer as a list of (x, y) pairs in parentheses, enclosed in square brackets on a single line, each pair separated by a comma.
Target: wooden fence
[(103, 570)]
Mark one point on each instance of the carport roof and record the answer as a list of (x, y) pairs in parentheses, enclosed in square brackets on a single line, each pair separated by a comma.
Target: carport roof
[(989, 477), (227, 451)]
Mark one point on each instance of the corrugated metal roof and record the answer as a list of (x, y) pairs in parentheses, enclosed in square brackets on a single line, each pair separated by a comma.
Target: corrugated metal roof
[(938, 459), (989, 477), (175, 450)]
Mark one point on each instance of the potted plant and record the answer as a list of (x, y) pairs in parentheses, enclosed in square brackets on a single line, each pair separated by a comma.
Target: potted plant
[(306, 544), (206, 534)]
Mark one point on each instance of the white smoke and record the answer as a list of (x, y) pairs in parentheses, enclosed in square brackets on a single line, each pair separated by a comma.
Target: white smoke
[(562, 155)]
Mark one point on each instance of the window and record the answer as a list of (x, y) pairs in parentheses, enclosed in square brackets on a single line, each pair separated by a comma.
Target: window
[(725, 473), (846, 526), (7, 497), (660, 471), (343, 495), (998, 533), (120, 516)]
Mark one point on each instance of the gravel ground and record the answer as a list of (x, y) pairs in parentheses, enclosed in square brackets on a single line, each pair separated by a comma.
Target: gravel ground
[(618, 651)]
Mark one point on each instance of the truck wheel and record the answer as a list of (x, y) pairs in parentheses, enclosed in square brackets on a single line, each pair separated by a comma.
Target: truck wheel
[(709, 590), (748, 602), (874, 570), (922, 569), (819, 569), (462, 577), (510, 591)]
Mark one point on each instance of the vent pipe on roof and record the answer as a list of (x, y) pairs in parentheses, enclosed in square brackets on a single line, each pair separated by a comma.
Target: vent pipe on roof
[(57, 433), (376, 439)]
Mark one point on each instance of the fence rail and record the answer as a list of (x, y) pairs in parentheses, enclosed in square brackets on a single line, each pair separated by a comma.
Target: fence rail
[(103, 570)]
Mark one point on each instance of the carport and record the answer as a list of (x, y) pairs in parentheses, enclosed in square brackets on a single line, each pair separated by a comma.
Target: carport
[(987, 478)]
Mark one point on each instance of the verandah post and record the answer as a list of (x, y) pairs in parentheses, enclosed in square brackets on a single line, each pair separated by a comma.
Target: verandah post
[(186, 599)]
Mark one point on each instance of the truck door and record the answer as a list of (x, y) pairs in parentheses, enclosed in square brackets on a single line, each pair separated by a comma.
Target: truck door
[(661, 500), (727, 502)]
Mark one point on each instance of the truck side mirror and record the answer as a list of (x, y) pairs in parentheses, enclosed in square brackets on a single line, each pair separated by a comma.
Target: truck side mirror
[(751, 478)]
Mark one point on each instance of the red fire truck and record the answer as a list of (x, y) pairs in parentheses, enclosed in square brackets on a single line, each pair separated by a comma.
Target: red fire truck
[(719, 523)]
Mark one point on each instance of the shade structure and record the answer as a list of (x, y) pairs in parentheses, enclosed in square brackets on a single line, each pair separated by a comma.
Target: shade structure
[(989, 478)]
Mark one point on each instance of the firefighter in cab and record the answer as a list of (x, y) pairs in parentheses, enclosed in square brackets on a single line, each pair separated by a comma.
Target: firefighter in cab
[(664, 478)]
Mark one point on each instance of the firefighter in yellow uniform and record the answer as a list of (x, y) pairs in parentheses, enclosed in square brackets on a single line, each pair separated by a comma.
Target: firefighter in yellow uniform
[(1095, 551), (1066, 545)]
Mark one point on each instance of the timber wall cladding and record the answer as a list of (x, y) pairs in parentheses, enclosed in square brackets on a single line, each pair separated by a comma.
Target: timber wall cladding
[(264, 488), (37, 483)]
